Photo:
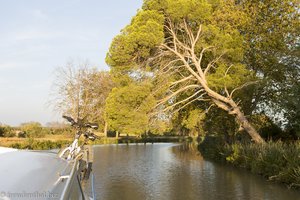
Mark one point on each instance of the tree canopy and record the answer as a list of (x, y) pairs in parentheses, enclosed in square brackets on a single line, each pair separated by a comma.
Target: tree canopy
[(128, 108), (196, 66), (230, 54)]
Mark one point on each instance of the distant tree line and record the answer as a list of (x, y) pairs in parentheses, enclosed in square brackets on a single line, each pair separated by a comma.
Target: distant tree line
[(34, 130)]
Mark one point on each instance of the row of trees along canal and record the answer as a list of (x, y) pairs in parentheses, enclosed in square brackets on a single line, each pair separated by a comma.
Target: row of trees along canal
[(196, 66)]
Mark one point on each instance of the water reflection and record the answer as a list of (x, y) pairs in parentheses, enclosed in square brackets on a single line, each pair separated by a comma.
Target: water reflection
[(170, 171)]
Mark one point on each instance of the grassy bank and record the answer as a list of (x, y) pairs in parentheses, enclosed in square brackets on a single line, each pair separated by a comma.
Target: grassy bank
[(45, 143), (276, 161), (40, 145), (59, 141)]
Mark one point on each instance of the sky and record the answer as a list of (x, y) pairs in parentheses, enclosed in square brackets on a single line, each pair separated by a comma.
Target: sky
[(37, 37)]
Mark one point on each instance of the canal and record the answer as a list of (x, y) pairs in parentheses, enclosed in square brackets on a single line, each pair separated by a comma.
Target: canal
[(175, 172)]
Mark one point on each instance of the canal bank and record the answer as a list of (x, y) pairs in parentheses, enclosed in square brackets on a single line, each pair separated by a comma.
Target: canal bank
[(275, 161)]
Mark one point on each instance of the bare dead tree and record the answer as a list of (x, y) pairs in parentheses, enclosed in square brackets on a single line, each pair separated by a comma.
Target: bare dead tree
[(97, 87), (67, 90), (178, 57), (80, 91)]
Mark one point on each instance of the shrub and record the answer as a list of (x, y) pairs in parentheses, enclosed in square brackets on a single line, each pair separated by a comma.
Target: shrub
[(277, 161), (211, 146), (6, 131), (33, 130)]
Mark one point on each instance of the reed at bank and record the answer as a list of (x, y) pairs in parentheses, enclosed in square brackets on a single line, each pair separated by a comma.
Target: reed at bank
[(276, 161)]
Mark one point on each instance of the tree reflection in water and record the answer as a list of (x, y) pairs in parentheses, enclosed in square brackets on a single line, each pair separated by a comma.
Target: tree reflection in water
[(173, 171)]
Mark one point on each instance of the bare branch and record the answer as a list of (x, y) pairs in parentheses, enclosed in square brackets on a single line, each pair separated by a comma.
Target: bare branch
[(184, 100), (176, 93), (198, 35), (182, 80), (201, 54), (210, 65), (176, 41), (183, 60), (221, 105), (188, 103), (241, 87), (227, 70), (226, 91), (207, 110), (189, 32)]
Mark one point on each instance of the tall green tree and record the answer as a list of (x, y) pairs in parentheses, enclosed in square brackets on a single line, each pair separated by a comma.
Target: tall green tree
[(129, 104), (215, 51), (195, 46), (271, 37), (127, 109)]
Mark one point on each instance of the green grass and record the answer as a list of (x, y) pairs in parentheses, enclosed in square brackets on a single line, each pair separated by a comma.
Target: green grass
[(58, 142), (276, 161), (33, 144)]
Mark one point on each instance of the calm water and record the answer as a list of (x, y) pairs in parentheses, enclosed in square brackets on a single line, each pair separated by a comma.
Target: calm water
[(171, 172)]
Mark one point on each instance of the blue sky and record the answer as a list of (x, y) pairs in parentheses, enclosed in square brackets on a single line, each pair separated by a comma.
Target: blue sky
[(38, 36)]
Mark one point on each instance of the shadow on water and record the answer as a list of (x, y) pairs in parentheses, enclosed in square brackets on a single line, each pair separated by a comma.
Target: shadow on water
[(172, 171)]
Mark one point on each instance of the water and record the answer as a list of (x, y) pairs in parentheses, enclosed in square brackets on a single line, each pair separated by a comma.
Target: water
[(175, 172)]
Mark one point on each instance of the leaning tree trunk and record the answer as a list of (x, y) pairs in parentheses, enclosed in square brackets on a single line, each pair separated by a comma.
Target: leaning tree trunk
[(233, 109), (243, 122), (196, 73)]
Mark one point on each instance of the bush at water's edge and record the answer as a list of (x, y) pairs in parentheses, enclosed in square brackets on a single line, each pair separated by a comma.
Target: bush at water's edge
[(157, 139), (277, 161)]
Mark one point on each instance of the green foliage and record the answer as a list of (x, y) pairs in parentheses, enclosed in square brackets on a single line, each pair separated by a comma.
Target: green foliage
[(137, 40), (230, 77), (40, 145), (2, 131), (67, 131), (218, 122), (248, 40), (291, 101), (127, 108), (277, 161), (159, 127), (271, 35), (194, 122), (6, 131), (266, 127), (34, 130), (211, 148), (198, 11)]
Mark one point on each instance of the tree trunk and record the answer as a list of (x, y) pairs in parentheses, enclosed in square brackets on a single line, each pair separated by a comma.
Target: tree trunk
[(242, 120), (105, 129), (117, 134), (185, 50), (232, 108)]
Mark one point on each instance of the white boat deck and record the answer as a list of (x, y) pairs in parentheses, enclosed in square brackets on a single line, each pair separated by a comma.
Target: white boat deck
[(5, 150), (26, 173)]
